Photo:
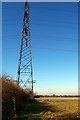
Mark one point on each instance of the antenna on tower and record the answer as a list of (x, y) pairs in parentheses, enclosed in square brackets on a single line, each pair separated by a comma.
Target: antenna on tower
[(25, 71)]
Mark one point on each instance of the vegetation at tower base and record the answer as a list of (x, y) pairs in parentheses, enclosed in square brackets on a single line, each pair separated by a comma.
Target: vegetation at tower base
[(10, 90)]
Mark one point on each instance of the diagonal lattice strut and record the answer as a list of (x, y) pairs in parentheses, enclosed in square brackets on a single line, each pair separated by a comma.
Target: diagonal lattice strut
[(25, 73)]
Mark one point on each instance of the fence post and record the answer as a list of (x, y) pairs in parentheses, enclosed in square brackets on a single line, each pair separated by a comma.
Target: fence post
[(14, 108)]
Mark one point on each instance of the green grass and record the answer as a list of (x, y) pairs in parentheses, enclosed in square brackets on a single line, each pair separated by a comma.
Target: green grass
[(32, 111), (51, 109)]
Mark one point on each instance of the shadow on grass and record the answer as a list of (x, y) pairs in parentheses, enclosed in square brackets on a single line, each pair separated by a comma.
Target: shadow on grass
[(35, 109)]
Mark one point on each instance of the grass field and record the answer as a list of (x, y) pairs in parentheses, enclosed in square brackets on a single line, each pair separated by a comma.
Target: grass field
[(51, 109)]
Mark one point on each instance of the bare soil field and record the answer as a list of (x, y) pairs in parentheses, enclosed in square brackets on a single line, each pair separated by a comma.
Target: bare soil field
[(49, 98)]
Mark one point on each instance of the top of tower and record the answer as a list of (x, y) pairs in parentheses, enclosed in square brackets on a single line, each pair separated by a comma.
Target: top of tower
[(26, 3)]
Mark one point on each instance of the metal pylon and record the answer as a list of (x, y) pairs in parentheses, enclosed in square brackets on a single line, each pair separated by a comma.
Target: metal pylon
[(25, 72)]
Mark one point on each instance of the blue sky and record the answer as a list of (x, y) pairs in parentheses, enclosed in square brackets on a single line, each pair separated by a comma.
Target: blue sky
[(54, 37)]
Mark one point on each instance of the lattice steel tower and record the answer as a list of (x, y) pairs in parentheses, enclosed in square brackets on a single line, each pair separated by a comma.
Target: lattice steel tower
[(25, 72)]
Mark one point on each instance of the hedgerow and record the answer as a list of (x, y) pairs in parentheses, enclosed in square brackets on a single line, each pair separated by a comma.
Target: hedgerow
[(11, 90)]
